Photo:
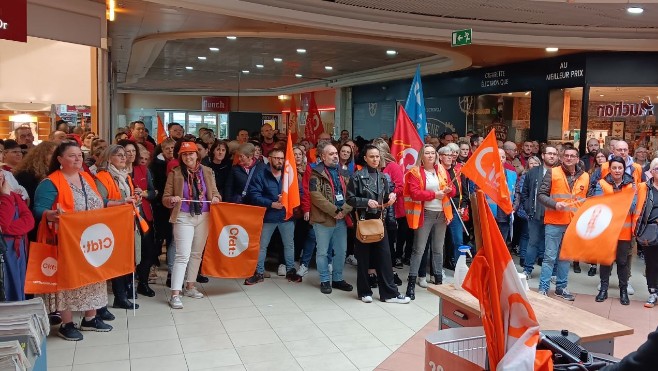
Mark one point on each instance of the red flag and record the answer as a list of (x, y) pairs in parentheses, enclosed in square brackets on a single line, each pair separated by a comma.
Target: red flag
[(593, 233), (233, 240), (405, 142), (313, 122), (162, 134), (486, 171), (510, 324), (292, 120), (290, 184)]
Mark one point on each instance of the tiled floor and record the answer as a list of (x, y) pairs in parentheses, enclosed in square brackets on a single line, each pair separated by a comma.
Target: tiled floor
[(277, 325)]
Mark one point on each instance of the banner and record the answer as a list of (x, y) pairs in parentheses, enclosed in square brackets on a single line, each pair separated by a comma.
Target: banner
[(593, 233), (415, 105), (485, 169), (292, 120), (314, 126), (13, 20), (405, 143), (233, 240), (290, 183), (95, 245)]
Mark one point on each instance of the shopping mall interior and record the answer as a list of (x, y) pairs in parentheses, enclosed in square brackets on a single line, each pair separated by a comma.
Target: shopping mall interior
[(555, 71)]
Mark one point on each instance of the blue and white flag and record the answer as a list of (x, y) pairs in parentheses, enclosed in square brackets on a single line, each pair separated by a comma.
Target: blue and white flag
[(415, 106)]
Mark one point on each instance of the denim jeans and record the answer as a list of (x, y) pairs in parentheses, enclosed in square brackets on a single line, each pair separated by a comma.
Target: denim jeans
[(554, 235), (336, 237), (523, 236), (536, 244), (434, 223), (287, 231), (504, 228), (457, 235)]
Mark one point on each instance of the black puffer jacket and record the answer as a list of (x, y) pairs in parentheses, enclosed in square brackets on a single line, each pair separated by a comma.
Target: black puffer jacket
[(363, 188)]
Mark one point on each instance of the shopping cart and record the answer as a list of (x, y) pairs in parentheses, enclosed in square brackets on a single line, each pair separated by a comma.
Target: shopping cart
[(459, 349)]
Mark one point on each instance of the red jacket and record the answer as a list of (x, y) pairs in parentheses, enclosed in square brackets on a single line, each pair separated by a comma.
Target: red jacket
[(394, 170), (421, 194), (306, 196), (15, 227)]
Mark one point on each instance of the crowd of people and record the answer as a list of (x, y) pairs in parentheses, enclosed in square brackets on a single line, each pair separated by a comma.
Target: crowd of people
[(425, 209)]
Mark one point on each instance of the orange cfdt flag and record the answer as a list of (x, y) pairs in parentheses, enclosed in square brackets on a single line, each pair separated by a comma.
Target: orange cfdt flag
[(293, 119), (406, 143), (95, 246), (233, 240), (593, 233), (162, 134), (510, 324), (485, 169), (289, 182)]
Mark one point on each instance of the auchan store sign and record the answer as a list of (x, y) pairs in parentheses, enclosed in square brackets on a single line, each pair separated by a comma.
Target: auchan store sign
[(13, 20), (623, 109)]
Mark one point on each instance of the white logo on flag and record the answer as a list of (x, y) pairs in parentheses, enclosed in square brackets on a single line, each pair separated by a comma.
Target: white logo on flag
[(409, 158), (593, 221), (97, 244), (478, 166), (233, 240), (288, 174)]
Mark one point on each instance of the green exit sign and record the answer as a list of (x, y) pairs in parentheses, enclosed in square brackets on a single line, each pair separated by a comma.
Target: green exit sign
[(462, 37)]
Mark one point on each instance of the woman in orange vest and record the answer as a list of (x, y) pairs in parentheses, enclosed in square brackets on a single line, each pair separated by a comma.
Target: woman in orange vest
[(616, 180), (114, 183), (427, 204), (69, 189)]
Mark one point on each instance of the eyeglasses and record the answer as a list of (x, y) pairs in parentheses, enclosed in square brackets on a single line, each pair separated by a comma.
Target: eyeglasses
[(120, 155), (277, 158), (569, 156)]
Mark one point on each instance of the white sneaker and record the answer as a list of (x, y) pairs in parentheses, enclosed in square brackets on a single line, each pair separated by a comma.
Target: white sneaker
[(331, 268), (193, 293), (175, 302), (282, 270), (400, 299), (302, 270), (554, 279), (422, 282), (629, 289), (351, 260), (366, 299)]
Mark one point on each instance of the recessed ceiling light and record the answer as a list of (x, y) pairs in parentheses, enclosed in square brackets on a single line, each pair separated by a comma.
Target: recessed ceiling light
[(231, 37), (202, 58), (509, 93), (601, 95), (245, 71), (301, 51), (552, 49), (278, 60), (391, 52), (189, 68), (259, 66), (214, 49), (328, 68), (635, 10), (298, 75)]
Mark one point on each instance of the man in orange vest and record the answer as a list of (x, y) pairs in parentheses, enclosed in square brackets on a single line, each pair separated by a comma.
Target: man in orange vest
[(562, 190)]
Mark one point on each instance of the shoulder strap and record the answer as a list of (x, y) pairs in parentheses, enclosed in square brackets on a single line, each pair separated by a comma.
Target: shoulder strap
[(246, 185)]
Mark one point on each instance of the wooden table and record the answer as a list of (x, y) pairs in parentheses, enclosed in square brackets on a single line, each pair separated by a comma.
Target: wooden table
[(458, 308)]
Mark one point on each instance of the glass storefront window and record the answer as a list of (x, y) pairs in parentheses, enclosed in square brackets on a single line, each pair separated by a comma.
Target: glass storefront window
[(564, 118), (507, 113), (193, 121)]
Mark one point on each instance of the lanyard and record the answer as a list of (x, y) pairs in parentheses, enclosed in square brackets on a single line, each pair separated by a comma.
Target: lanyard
[(331, 181)]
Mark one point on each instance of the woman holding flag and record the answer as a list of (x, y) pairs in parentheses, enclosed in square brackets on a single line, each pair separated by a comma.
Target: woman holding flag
[(614, 182), (115, 184)]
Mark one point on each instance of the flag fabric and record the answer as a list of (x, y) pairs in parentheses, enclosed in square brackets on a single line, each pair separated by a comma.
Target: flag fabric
[(593, 233), (486, 171), (415, 105), (290, 184), (292, 120), (233, 240), (510, 324), (314, 126), (162, 134), (95, 246), (406, 143)]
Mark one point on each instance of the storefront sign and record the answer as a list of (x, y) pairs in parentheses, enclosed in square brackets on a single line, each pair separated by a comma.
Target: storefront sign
[(494, 78), (621, 109), (566, 72), (13, 20), (215, 104), (501, 131)]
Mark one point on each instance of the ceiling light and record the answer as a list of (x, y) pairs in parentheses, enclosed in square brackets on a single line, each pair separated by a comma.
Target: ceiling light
[(301, 51), (284, 97), (278, 60), (245, 71), (527, 93), (214, 49), (635, 10), (601, 95), (259, 66), (328, 68), (391, 52), (509, 93), (231, 37), (552, 49), (202, 58), (298, 75), (189, 68), (110, 11)]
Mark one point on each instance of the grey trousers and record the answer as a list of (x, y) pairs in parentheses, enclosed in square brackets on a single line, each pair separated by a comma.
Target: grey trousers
[(623, 266), (434, 221)]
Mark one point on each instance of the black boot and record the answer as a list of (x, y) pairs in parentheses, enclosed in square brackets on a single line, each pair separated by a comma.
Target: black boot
[(438, 279), (623, 295), (576, 267), (411, 287), (124, 303), (144, 289), (603, 294)]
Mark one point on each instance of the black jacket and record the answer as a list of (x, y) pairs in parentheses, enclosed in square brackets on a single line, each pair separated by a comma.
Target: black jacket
[(237, 180), (528, 200), (362, 188), (222, 172)]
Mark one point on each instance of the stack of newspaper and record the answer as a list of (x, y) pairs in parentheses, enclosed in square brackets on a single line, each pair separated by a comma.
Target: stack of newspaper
[(24, 323)]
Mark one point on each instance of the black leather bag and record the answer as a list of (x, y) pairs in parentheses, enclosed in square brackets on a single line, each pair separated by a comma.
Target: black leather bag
[(649, 236)]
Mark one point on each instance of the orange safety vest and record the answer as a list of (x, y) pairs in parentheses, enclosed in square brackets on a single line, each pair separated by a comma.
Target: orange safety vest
[(64, 194), (636, 174), (560, 192), (113, 192), (414, 209), (626, 230)]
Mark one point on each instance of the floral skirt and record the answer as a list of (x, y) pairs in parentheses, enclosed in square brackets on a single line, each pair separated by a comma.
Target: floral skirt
[(88, 297)]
